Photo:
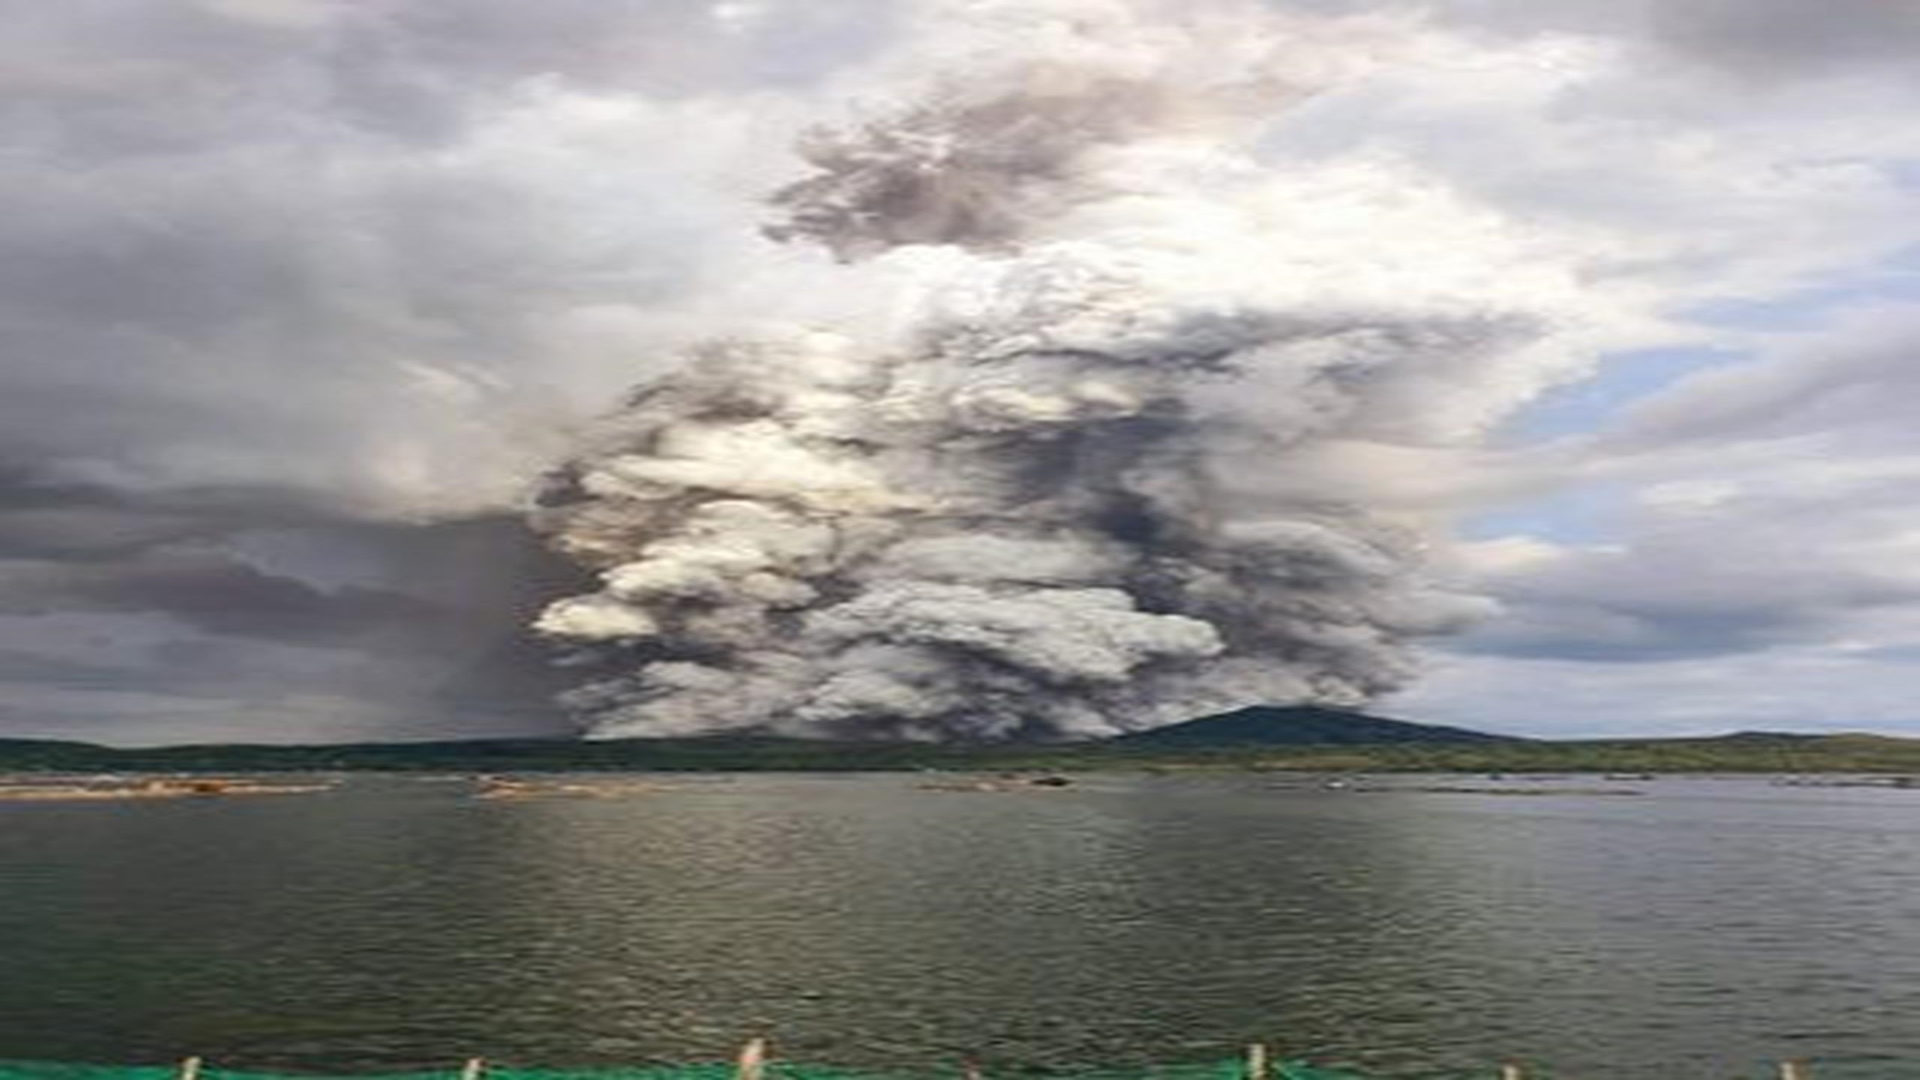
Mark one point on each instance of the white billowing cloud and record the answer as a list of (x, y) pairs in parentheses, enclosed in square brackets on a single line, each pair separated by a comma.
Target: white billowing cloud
[(273, 260), (1099, 233)]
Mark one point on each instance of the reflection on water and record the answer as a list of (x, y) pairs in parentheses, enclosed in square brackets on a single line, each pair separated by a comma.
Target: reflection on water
[(1695, 930)]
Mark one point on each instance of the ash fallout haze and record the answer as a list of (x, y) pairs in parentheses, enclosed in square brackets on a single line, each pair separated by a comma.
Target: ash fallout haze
[(956, 368)]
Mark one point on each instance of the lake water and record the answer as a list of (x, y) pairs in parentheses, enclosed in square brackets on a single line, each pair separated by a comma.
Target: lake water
[(1695, 930)]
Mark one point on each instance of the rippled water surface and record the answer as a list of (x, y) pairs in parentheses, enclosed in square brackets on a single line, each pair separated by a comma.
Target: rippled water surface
[(1693, 930)]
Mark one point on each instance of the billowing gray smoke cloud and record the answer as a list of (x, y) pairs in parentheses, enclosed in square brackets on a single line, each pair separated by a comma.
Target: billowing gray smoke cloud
[(1072, 490), (298, 298)]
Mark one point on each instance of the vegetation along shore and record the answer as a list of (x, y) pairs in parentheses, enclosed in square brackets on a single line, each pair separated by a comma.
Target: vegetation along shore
[(1297, 739)]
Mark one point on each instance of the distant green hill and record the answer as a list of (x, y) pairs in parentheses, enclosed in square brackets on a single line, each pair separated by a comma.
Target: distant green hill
[(1302, 725), (1269, 738)]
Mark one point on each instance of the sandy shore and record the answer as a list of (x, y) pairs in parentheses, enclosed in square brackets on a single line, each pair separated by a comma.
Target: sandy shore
[(137, 789)]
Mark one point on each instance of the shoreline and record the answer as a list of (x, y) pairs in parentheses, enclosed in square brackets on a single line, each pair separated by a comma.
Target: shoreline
[(139, 789)]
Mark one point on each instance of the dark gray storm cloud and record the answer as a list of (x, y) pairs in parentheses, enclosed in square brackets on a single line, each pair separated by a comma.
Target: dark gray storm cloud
[(1768, 38), (233, 224), (407, 630), (1681, 591), (276, 268)]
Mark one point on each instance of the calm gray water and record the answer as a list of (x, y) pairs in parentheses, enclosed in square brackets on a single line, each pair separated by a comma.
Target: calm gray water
[(1693, 931)]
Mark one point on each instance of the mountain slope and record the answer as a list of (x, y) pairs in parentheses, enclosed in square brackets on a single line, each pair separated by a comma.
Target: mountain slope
[(1302, 725)]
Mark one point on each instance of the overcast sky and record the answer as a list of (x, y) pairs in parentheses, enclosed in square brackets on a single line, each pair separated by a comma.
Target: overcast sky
[(300, 297)]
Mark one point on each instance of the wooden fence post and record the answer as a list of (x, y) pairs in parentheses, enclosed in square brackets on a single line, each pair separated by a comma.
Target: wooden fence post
[(1512, 1071), (753, 1060), (1257, 1061), (471, 1070), (190, 1069), (1793, 1070)]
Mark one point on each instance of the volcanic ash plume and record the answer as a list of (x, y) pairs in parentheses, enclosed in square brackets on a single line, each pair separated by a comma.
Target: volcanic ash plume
[(1076, 488)]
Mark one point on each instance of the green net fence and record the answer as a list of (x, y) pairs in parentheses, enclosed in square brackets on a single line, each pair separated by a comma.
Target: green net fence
[(1226, 1070), (1864, 1068)]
